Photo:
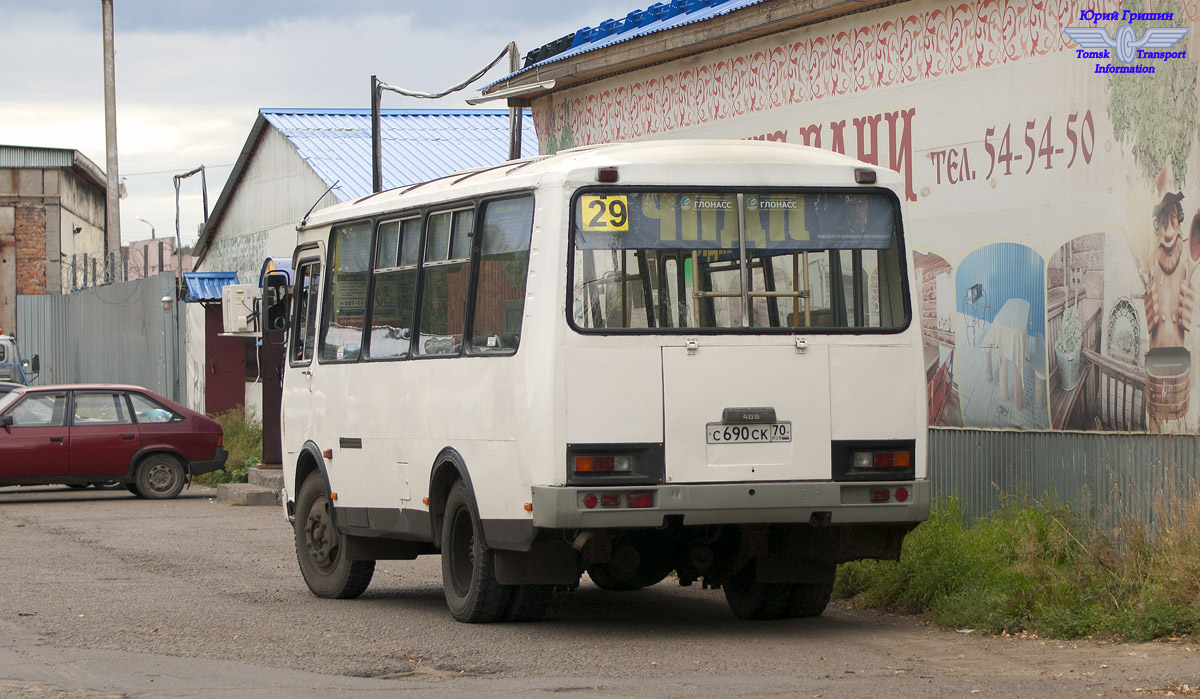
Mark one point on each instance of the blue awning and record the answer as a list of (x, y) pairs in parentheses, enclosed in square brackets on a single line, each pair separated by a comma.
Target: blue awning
[(206, 286)]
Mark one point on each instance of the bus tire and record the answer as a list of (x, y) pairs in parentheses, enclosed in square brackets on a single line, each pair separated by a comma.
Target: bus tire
[(809, 599), (321, 547), (529, 602), (750, 599), (468, 566)]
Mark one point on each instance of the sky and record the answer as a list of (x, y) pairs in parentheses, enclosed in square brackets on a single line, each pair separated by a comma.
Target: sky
[(191, 75)]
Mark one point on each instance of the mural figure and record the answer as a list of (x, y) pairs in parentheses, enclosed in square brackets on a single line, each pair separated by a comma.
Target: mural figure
[(1169, 303)]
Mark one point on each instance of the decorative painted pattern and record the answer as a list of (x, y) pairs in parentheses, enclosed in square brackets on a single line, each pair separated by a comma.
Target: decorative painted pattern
[(899, 49)]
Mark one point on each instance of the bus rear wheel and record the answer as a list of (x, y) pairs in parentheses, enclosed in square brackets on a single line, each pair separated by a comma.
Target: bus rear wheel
[(321, 548), (751, 599), (468, 566)]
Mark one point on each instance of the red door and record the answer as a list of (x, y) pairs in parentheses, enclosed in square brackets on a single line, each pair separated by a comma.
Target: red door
[(37, 444), (224, 365), (103, 436)]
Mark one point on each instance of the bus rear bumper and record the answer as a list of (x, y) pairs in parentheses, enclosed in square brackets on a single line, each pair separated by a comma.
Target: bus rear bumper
[(824, 503)]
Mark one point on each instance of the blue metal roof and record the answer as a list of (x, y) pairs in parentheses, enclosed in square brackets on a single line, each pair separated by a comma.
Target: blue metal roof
[(206, 286), (418, 144), (659, 17)]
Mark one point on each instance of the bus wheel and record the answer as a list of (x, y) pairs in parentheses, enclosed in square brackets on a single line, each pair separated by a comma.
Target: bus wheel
[(751, 599), (615, 579), (529, 602), (468, 565), (320, 547), (809, 599)]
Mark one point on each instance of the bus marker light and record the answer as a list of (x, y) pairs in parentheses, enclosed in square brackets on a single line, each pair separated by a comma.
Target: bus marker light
[(607, 174), (333, 496), (641, 500), (583, 464), (424, 501), (529, 507), (610, 500), (881, 495), (328, 453), (901, 494), (589, 500), (864, 175), (901, 459)]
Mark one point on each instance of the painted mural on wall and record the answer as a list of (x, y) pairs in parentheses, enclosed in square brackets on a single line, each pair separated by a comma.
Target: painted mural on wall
[(1054, 226)]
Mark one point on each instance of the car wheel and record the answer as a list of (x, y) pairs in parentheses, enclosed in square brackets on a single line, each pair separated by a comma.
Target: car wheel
[(468, 565), (159, 477), (321, 548), (751, 599)]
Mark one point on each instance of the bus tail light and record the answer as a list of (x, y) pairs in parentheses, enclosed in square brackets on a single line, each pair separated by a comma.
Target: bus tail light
[(641, 500), (620, 464), (871, 461)]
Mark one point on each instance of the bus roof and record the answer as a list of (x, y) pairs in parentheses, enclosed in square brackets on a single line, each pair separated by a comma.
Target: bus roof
[(796, 165)]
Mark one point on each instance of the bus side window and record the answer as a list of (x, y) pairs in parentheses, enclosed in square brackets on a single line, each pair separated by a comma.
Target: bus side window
[(396, 268), (346, 293), (503, 266), (304, 335), (445, 282)]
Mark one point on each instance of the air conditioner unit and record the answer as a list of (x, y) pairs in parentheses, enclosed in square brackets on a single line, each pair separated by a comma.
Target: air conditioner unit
[(239, 308)]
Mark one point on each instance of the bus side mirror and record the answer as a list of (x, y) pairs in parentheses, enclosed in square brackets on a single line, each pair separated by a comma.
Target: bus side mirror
[(276, 297)]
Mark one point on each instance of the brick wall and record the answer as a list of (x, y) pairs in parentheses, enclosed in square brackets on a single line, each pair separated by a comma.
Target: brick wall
[(31, 248)]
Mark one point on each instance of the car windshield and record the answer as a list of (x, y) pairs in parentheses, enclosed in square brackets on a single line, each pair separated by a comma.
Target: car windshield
[(676, 260)]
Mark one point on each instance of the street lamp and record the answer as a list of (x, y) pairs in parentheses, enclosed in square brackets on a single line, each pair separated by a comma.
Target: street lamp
[(148, 224)]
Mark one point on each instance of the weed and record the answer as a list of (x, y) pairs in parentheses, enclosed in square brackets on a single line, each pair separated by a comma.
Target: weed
[(243, 441), (1044, 568)]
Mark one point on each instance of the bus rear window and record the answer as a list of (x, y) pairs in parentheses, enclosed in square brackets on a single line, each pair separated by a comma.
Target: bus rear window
[(726, 260)]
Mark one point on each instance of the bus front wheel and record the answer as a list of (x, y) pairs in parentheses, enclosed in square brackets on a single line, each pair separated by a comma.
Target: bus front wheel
[(468, 566), (321, 548)]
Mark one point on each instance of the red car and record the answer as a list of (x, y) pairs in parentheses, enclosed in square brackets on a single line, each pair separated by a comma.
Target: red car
[(92, 434)]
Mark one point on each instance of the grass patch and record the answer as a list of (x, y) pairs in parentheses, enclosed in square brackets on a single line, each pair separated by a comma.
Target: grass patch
[(1042, 568), (243, 440)]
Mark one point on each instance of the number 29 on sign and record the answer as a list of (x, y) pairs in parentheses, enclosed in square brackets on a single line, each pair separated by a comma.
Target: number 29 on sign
[(605, 213)]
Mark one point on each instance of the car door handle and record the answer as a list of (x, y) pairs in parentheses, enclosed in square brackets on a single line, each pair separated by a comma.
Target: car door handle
[(56, 439), (129, 436)]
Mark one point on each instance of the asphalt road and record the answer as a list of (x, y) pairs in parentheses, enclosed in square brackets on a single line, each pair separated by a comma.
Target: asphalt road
[(107, 595)]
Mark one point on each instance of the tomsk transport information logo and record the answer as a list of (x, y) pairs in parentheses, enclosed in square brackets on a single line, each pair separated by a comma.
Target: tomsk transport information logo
[(1125, 43)]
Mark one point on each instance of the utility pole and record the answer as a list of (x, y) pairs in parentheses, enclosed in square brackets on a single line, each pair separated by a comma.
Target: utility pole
[(112, 228), (376, 139), (515, 108)]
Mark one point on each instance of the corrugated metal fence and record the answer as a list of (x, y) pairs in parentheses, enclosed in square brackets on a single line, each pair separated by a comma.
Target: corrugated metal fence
[(1141, 475), (116, 333)]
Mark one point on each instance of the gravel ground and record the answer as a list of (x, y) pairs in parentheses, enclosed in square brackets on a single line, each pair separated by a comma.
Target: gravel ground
[(196, 578)]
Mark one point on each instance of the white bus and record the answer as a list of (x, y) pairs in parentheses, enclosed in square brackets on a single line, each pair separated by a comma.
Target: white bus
[(628, 360)]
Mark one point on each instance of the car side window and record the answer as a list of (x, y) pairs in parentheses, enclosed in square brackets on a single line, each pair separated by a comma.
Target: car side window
[(40, 410), (101, 409), (148, 411)]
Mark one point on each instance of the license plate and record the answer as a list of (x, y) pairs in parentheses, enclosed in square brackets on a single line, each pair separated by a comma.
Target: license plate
[(720, 433)]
